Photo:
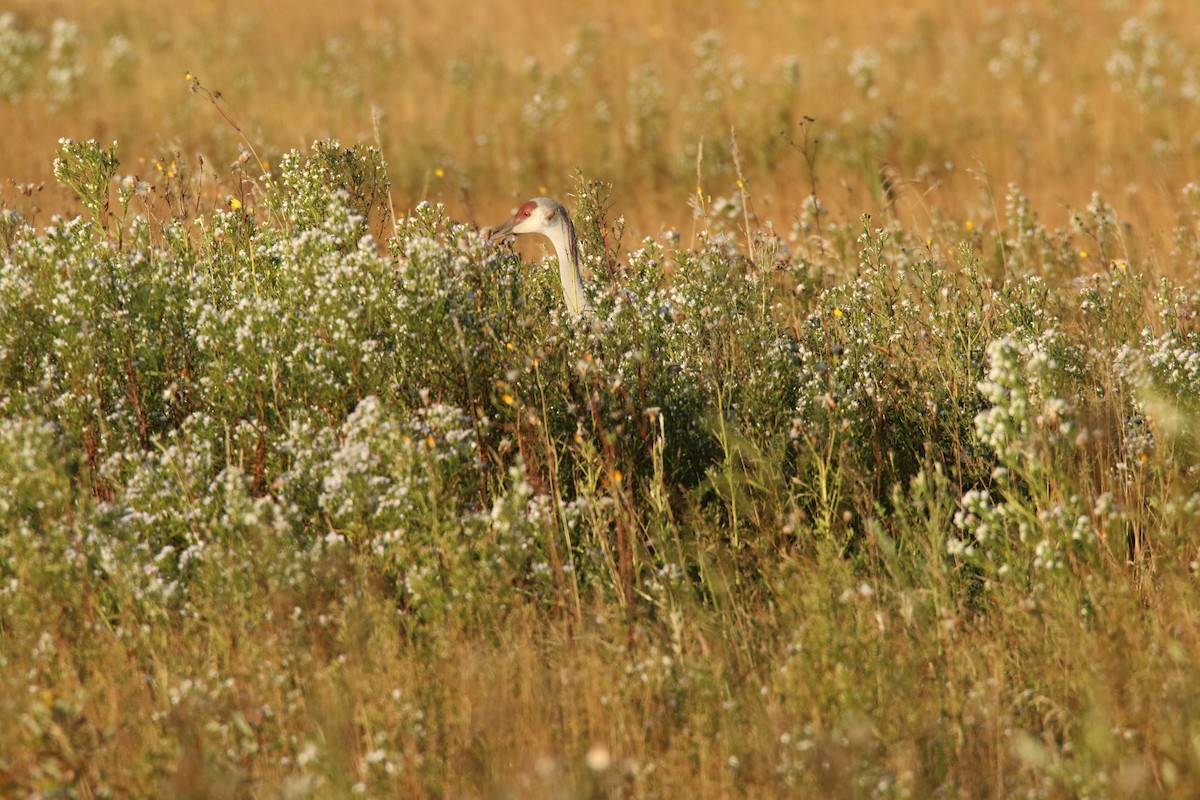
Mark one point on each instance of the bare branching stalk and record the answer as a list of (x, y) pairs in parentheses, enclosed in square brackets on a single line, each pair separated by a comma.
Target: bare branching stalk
[(215, 98), (699, 211), (375, 115), (743, 191)]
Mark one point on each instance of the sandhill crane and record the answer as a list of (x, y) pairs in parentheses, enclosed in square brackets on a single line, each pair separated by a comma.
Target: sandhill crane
[(548, 217)]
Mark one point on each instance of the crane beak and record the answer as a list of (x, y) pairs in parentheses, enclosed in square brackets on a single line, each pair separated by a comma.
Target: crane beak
[(501, 231)]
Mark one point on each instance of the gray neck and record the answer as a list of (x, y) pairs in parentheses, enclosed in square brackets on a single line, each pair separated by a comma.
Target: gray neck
[(563, 239)]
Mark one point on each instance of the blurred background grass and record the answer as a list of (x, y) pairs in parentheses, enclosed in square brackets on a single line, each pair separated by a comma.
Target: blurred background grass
[(925, 110)]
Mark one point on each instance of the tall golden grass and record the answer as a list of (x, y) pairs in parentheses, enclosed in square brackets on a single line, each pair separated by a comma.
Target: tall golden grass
[(927, 110)]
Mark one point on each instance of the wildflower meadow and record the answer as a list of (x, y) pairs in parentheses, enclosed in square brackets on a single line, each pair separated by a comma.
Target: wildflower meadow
[(848, 489)]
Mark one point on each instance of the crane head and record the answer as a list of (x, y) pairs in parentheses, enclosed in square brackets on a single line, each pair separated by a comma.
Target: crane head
[(548, 217), (539, 215)]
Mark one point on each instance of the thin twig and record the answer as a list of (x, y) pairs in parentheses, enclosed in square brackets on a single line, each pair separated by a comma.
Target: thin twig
[(737, 165), (214, 98), (699, 191), (379, 144)]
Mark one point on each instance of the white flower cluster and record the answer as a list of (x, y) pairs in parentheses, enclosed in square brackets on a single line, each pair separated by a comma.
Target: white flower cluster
[(1024, 418), (1149, 64), (980, 519), (66, 67), (17, 50), (385, 471)]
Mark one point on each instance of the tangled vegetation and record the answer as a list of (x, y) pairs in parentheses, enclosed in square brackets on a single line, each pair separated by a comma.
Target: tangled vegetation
[(300, 500)]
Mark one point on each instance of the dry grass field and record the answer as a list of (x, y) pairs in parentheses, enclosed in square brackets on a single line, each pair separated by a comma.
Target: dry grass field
[(926, 109), (877, 474)]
